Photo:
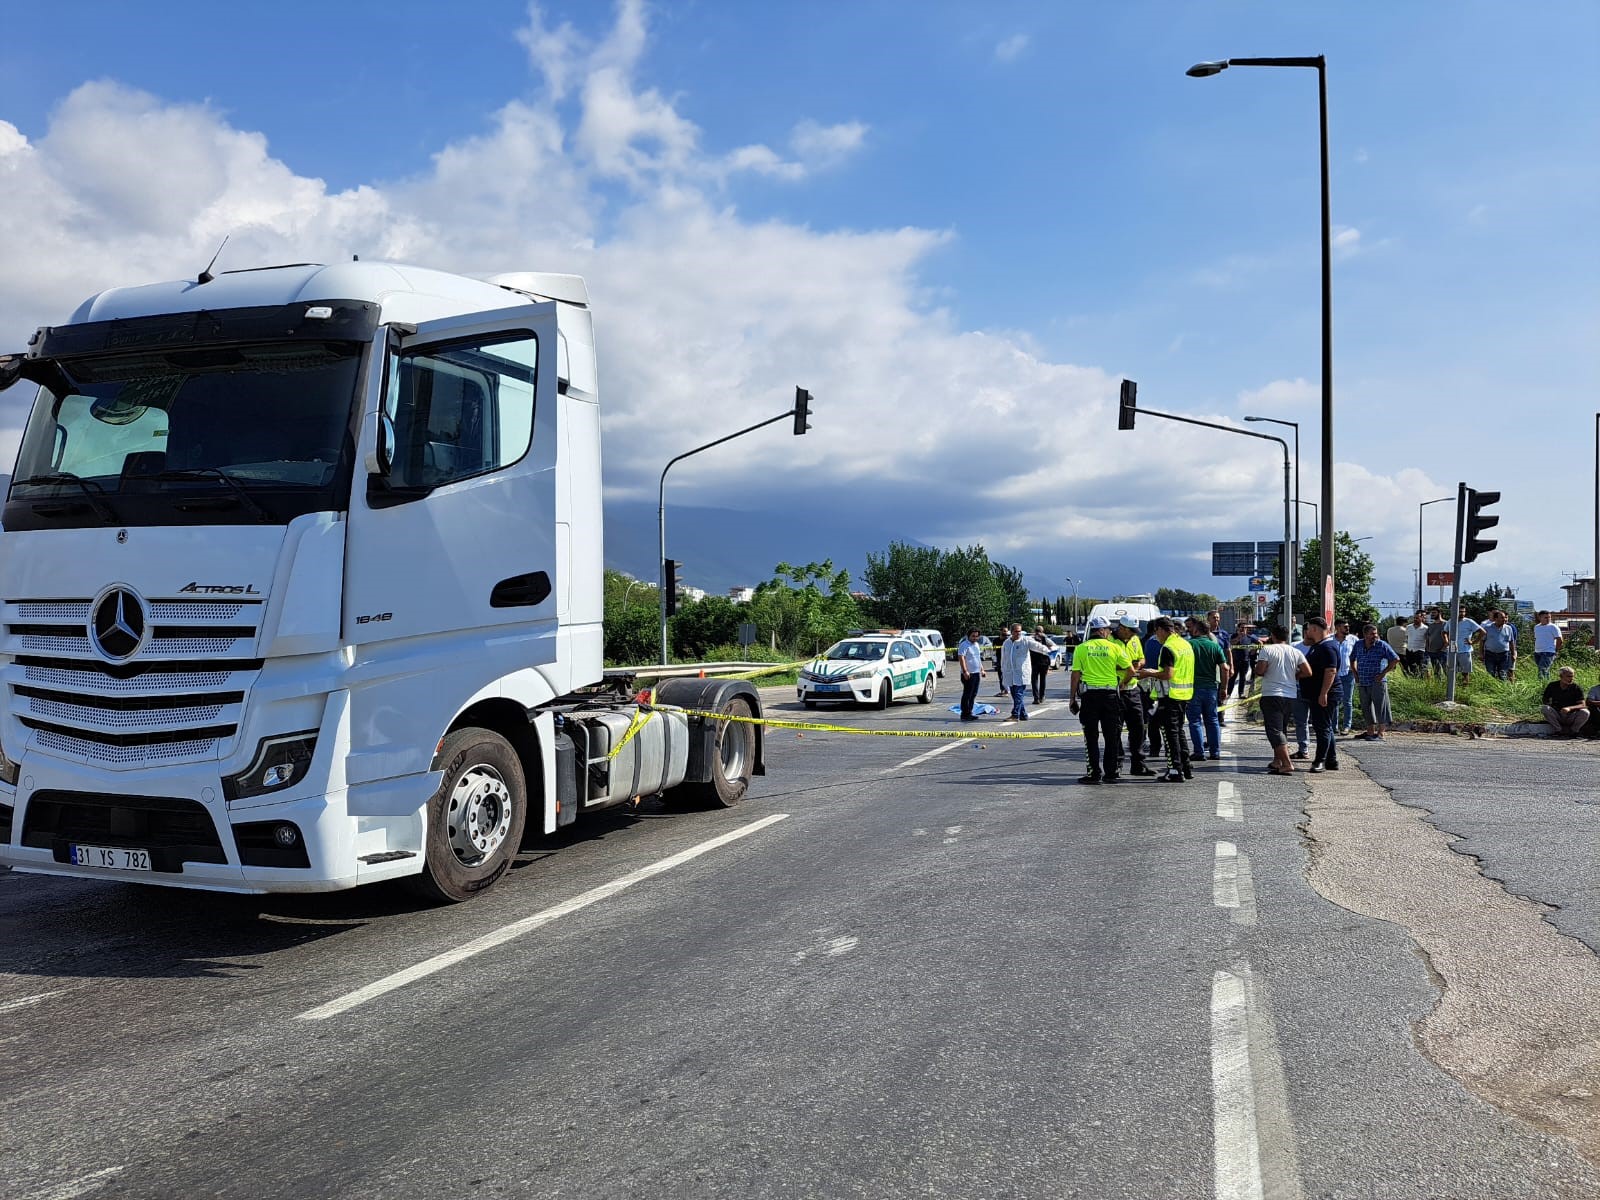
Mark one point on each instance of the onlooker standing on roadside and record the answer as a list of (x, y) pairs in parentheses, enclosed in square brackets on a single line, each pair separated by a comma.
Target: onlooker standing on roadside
[(1016, 651), (970, 654), (1211, 672), (1564, 705), (1464, 631), (1372, 661), (1301, 710), (1438, 643), (1320, 690), (1547, 643), (1280, 668), (1242, 649), (1225, 640), (1416, 645), (1098, 663), (1345, 642), (1040, 664), (1500, 646), (1396, 637), (1130, 696)]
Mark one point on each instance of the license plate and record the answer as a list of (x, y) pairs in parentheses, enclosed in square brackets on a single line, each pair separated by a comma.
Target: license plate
[(825, 687), (115, 858)]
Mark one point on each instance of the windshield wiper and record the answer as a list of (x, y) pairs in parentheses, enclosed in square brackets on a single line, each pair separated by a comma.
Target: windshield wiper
[(88, 487), (245, 498)]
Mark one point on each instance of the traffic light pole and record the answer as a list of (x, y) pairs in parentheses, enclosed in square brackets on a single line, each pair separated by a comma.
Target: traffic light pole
[(661, 499), (1453, 618), (1128, 412)]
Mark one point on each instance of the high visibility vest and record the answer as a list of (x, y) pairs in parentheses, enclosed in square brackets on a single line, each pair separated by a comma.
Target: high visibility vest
[(1181, 686)]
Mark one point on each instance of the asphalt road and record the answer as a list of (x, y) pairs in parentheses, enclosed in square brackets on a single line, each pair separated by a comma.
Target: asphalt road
[(963, 976)]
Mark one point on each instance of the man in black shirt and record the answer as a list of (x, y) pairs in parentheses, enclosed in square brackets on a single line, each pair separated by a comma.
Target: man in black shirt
[(1563, 704), (1039, 661), (1320, 691)]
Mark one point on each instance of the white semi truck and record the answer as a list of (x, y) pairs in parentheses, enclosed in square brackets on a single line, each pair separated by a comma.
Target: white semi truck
[(301, 572)]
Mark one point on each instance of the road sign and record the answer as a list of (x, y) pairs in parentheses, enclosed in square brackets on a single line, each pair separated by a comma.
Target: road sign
[(1261, 598), (1269, 557), (1257, 584), (1233, 558), (747, 633), (1441, 578), (1525, 607)]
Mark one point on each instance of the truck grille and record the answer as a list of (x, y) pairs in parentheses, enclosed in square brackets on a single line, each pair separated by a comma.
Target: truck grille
[(181, 697), (173, 830)]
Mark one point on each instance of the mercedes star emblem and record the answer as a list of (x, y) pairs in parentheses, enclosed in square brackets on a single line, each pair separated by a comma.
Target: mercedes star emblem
[(118, 626)]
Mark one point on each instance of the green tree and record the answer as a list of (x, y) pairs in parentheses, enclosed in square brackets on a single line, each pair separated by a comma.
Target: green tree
[(1019, 605), (1481, 603), (696, 627), (948, 590), (1352, 580), (1180, 600), (1046, 614), (631, 619), (793, 609)]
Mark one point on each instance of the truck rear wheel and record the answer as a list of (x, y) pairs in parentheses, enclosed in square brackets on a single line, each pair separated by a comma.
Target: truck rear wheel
[(475, 819), (733, 762)]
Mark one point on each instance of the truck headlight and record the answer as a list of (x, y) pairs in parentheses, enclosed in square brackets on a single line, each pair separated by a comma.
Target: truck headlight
[(279, 762), (8, 769)]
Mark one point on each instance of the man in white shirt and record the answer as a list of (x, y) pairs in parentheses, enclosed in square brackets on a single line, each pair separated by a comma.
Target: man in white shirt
[(1416, 652), (970, 654), (1547, 643), (1279, 666), (1016, 667)]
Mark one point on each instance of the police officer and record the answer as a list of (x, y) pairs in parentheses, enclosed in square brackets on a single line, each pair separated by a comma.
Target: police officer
[(1172, 683), (1098, 666), (1126, 631)]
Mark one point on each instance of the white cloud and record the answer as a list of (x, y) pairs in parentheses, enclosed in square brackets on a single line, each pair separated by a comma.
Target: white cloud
[(1346, 241), (1009, 49), (1279, 394), (705, 317)]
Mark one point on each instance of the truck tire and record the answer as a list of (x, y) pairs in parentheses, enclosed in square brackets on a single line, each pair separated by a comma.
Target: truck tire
[(475, 819), (731, 765)]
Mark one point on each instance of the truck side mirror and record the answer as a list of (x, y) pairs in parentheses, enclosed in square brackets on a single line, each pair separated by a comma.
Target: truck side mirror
[(10, 369), (380, 459)]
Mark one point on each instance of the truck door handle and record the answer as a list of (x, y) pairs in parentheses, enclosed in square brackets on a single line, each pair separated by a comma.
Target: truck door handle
[(521, 591)]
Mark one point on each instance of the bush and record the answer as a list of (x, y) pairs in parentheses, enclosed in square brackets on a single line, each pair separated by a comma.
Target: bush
[(1480, 696)]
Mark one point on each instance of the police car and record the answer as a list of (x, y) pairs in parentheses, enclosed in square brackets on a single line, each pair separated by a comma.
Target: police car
[(871, 668)]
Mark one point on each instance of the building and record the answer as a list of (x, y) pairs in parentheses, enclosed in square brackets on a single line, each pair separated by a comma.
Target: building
[(741, 595), (1580, 595)]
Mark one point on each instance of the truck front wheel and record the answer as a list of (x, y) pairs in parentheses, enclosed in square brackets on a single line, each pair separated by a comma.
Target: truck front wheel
[(475, 819)]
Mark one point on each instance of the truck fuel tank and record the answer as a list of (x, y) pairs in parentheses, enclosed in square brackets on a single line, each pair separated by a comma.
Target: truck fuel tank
[(654, 759)]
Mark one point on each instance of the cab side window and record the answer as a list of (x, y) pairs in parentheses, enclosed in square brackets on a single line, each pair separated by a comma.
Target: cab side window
[(461, 410)]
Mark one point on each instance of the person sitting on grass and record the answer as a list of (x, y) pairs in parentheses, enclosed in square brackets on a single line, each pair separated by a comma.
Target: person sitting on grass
[(1592, 703), (1564, 705)]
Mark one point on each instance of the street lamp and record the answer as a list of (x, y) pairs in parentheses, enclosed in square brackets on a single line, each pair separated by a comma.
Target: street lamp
[(800, 412), (1420, 507), (1294, 425), (1070, 580), (1202, 70), (1312, 505)]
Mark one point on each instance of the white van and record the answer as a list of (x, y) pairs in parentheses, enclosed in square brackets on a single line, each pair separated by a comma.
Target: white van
[(935, 646), (1142, 613)]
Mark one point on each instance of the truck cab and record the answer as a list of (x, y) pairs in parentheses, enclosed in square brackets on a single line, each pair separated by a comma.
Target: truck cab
[(274, 540)]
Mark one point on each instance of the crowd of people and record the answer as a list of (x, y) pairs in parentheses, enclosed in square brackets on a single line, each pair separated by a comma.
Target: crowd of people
[(1165, 695)]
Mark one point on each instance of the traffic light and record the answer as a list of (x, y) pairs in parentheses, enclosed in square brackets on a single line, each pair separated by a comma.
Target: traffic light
[(669, 577), (1477, 522), (1129, 405), (802, 410)]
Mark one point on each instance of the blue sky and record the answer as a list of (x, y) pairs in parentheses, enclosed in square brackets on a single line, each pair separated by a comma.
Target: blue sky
[(1005, 207)]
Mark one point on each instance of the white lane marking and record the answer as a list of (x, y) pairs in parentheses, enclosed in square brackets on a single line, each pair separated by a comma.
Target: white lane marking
[(841, 945), (919, 833), (934, 753), (1228, 801), (952, 829), (75, 1187), (516, 929), (1236, 1152), (1225, 876), (25, 1001)]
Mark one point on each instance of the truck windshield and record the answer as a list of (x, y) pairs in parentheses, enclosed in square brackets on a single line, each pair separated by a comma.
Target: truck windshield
[(222, 434)]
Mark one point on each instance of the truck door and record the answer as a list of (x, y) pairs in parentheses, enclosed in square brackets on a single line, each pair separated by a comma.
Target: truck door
[(453, 519)]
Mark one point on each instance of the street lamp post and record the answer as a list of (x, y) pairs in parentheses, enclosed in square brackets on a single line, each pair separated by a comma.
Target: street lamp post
[(1201, 70), (1420, 507), (1294, 425), (1312, 505), (800, 411), (1070, 580)]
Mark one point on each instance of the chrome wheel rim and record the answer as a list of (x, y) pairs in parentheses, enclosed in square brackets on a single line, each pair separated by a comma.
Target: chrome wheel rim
[(732, 751), (478, 814)]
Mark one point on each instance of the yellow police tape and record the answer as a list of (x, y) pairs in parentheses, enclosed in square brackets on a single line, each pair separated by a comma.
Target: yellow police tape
[(646, 711)]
